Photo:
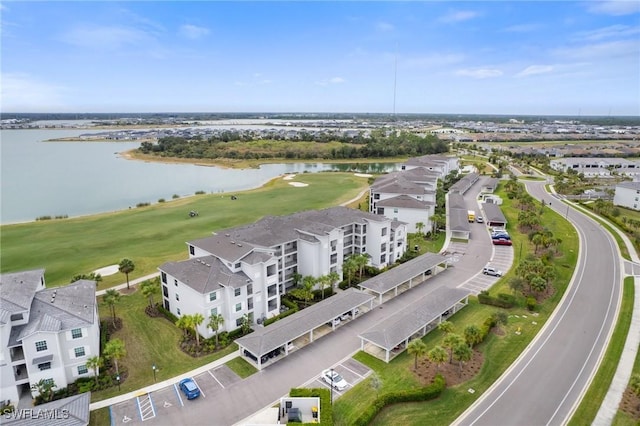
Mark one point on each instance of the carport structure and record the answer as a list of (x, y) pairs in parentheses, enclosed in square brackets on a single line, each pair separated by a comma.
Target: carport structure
[(415, 320), (275, 338), (457, 216), (411, 273), (493, 215)]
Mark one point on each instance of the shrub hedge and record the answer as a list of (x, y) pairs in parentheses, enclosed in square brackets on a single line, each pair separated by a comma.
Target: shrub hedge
[(503, 300)]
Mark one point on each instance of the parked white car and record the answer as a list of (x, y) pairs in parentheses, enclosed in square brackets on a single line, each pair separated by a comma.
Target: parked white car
[(334, 322), (332, 378), (490, 270)]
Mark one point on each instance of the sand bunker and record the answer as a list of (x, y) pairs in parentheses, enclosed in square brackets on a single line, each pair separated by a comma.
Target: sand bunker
[(362, 175), (298, 184), (107, 270), (289, 177)]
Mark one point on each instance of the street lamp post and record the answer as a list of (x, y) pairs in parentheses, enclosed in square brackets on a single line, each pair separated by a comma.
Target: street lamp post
[(331, 386), (154, 368), (118, 379)]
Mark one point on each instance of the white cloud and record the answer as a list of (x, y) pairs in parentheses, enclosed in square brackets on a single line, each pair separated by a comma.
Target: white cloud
[(521, 28), (106, 37), (535, 69), (385, 27), (600, 50), (24, 93), (193, 32), (479, 73), (333, 80), (614, 7), (458, 16), (612, 31)]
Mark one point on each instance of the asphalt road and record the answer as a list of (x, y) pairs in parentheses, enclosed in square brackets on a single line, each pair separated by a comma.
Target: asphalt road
[(547, 382)]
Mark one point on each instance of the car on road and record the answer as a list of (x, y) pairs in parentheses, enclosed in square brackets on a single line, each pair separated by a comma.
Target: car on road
[(497, 235), (490, 270), (479, 219), (332, 378), (189, 388), (501, 242)]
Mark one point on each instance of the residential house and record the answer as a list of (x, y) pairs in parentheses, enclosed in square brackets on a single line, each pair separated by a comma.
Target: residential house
[(598, 167), (46, 333), (627, 195), (245, 270)]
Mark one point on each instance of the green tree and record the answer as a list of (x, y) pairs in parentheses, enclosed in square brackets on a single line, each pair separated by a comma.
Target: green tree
[(184, 324), (44, 388), (349, 268), (196, 320), (150, 288), (94, 363), (437, 222), (334, 277), (324, 282), (446, 327), (417, 348), (462, 353), (361, 261), (450, 341), (472, 335), (215, 322), (438, 355), (110, 298), (115, 350), (246, 324), (538, 284), (304, 291), (419, 227), (516, 284), (126, 267), (91, 277)]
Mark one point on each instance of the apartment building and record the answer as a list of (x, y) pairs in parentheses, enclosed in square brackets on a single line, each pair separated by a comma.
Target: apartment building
[(597, 166), (46, 333), (244, 270), (441, 164), (627, 195)]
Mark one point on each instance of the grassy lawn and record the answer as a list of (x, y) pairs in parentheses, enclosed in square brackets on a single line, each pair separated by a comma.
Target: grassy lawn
[(149, 341), (588, 409), (432, 245), (622, 418), (241, 367), (152, 235), (499, 351), (100, 417)]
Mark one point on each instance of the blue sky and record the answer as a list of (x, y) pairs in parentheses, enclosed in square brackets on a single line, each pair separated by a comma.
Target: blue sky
[(541, 57)]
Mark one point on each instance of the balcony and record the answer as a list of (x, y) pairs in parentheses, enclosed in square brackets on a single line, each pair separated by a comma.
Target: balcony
[(20, 372), (17, 354)]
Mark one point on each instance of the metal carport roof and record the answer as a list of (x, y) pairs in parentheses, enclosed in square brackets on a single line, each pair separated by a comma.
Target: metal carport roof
[(493, 214), (264, 340), (402, 325)]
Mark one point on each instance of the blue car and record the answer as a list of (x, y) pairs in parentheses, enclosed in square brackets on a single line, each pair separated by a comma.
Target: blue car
[(189, 388)]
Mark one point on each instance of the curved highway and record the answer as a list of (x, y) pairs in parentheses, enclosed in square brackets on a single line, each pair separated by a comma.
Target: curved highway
[(545, 384)]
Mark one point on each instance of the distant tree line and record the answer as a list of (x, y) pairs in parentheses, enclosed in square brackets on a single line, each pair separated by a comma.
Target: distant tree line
[(230, 145)]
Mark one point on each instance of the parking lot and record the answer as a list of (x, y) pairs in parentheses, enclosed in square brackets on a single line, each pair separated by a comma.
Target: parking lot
[(165, 405), (350, 369)]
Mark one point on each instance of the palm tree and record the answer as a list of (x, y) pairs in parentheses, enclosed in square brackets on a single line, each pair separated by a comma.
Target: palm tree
[(150, 288), (419, 227), (437, 220), (246, 324), (333, 277), (462, 353), (196, 320), (446, 327), (418, 348), (349, 268), (215, 322), (183, 323), (361, 261), (126, 267), (111, 297), (94, 363), (324, 282), (450, 341), (472, 335), (438, 356), (115, 350), (305, 291)]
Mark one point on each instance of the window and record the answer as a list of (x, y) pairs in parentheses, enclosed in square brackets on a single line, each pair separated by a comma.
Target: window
[(376, 196), (271, 270), (238, 306), (165, 291), (213, 296), (17, 317), (76, 333), (395, 211), (179, 311), (82, 369), (175, 282), (237, 292), (177, 296), (80, 352), (238, 265), (164, 277), (41, 346), (192, 250), (383, 258), (48, 381), (214, 312), (239, 322), (384, 231), (383, 247), (44, 366)]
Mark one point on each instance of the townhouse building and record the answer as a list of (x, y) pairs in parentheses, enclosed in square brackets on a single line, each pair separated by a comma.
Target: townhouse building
[(627, 195), (441, 164), (598, 166), (46, 333), (245, 270)]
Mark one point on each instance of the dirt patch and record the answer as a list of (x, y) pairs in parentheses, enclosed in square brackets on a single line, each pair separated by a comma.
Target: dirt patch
[(127, 291), (113, 325), (630, 404), (451, 372)]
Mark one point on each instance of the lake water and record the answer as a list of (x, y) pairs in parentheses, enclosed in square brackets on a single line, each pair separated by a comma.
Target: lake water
[(78, 178)]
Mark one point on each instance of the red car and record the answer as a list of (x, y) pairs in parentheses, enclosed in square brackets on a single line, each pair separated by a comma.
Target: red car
[(501, 242)]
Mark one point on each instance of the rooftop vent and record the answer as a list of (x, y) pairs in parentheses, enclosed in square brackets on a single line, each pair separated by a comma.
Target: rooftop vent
[(207, 264), (233, 242)]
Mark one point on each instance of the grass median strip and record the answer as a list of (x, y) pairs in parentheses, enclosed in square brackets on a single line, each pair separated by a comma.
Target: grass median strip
[(241, 367)]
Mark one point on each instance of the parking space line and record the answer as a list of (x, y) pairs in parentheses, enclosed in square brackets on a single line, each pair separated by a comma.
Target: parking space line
[(194, 381), (111, 416), (214, 378), (175, 386), (145, 408), (153, 409), (345, 367)]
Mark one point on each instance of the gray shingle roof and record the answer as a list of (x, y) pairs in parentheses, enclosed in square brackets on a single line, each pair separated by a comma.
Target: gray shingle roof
[(491, 183), (630, 185), (74, 408), (400, 326), (257, 257), (459, 220), (465, 183), (404, 201), (73, 306), (493, 213), (456, 201), (204, 274), (397, 184), (392, 278), (281, 332), (17, 291)]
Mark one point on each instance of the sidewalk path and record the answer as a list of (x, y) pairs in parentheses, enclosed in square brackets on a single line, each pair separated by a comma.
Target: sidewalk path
[(131, 283)]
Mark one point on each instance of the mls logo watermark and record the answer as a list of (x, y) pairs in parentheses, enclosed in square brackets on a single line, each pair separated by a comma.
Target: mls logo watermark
[(36, 413)]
